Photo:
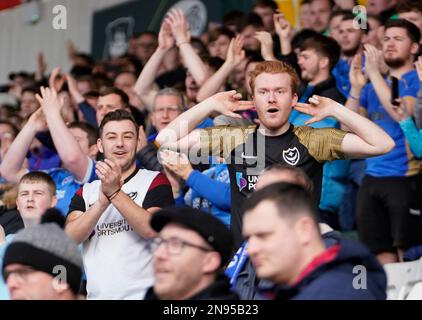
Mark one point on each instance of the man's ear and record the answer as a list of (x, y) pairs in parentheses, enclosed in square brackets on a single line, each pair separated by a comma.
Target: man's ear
[(294, 99), (93, 150), (305, 229), (211, 262), (100, 145), (54, 201), (324, 63), (414, 48)]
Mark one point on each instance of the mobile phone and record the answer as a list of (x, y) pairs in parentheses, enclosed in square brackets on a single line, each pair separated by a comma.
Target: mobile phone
[(394, 91)]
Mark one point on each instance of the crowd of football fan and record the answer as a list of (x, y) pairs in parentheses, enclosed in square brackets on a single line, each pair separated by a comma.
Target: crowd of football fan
[(258, 161)]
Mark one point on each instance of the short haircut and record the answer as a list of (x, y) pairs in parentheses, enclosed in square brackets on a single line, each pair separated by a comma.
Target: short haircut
[(274, 67), (301, 36), (253, 56), (138, 35), (214, 63), (222, 31), (412, 30), (339, 12), (112, 90), (39, 176), (15, 130), (197, 44), (266, 4), (408, 6), (324, 46), (251, 19), (291, 201), (301, 177), (31, 88), (168, 91), (233, 17), (351, 16), (117, 115), (90, 131)]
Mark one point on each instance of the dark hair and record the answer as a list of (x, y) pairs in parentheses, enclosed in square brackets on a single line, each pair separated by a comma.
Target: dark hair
[(112, 90), (324, 46), (412, 30), (408, 5), (339, 12), (266, 4), (351, 16), (252, 56), (290, 199), (233, 17), (88, 59), (222, 31), (90, 131), (91, 94), (213, 62), (301, 36), (117, 115), (15, 130), (31, 88), (301, 177), (197, 43), (137, 35), (39, 176), (251, 19)]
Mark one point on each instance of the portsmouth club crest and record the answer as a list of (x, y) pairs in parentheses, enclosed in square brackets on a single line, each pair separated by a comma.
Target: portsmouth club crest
[(291, 156), (240, 181)]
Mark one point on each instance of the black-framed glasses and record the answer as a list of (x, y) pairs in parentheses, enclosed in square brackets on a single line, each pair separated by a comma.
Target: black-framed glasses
[(174, 245)]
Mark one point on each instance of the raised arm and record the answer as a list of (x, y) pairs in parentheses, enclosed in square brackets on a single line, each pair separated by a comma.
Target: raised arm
[(12, 165), (180, 29), (357, 81), (266, 41), (235, 55), (66, 145), (144, 86), (366, 140), (73, 89), (382, 90), (226, 103), (285, 33)]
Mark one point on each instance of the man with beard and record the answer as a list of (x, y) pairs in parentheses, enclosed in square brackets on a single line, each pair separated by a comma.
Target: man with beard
[(385, 223), (351, 41), (110, 216), (249, 150)]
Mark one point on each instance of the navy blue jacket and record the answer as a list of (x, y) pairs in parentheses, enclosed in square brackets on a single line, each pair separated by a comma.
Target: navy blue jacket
[(341, 278)]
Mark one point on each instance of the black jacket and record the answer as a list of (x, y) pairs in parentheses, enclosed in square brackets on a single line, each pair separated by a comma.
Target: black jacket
[(326, 88), (218, 290)]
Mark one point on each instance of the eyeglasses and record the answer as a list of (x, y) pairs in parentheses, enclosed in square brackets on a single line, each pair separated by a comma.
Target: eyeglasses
[(174, 246), (20, 274)]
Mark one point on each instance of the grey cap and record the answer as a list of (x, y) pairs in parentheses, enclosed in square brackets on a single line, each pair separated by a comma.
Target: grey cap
[(44, 247)]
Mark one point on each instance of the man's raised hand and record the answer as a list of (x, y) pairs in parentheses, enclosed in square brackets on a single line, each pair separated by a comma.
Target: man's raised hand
[(318, 107), (228, 103)]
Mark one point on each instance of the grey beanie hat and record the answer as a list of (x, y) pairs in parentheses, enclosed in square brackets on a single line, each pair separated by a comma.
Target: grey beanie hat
[(44, 247)]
